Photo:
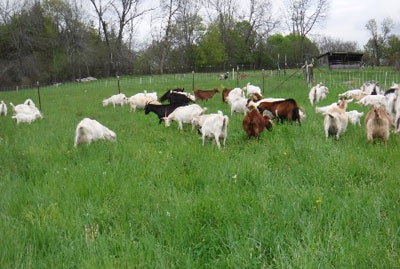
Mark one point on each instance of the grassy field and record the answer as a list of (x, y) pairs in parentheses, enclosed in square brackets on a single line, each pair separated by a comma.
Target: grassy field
[(157, 199)]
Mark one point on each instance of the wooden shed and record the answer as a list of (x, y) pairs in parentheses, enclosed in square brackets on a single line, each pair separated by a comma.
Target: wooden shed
[(340, 60)]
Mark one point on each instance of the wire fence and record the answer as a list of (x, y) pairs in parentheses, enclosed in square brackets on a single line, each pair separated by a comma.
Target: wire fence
[(266, 79)]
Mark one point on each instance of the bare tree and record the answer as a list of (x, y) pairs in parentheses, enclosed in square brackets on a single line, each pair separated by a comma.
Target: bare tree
[(260, 19), (329, 44), (376, 43), (126, 11), (304, 15), (170, 9)]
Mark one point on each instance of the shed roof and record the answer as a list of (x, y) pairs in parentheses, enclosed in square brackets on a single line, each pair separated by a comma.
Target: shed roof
[(341, 54)]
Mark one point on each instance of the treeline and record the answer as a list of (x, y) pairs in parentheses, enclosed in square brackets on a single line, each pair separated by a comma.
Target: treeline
[(61, 40)]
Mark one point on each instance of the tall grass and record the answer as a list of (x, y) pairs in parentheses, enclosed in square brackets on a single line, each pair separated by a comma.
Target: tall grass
[(157, 199)]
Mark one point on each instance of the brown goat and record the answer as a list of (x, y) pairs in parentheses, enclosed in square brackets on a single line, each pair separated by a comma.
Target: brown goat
[(377, 123), (225, 94), (205, 95), (254, 123), (256, 97), (286, 109), (243, 76)]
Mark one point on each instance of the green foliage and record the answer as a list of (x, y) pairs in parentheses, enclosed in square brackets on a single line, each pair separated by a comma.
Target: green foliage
[(211, 51)]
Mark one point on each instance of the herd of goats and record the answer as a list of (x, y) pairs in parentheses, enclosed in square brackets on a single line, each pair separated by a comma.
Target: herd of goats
[(259, 113)]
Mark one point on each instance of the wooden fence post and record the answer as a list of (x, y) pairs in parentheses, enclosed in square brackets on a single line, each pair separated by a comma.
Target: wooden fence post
[(38, 91), (193, 81), (119, 88)]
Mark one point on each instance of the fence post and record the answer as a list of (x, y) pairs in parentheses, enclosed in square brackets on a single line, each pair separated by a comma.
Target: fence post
[(119, 88), (237, 75), (233, 73), (385, 79), (38, 92), (193, 81), (263, 77)]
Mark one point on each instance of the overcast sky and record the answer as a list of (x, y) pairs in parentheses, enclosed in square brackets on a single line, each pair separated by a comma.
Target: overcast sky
[(347, 18)]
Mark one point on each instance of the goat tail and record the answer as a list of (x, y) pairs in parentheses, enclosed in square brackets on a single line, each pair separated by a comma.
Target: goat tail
[(296, 114), (225, 123), (314, 96)]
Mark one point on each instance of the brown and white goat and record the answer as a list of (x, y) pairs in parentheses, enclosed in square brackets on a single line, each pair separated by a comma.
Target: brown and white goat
[(254, 123), (377, 124), (286, 109), (335, 122), (225, 94)]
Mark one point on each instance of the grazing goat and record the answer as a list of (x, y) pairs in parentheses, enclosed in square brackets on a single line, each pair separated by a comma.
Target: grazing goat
[(354, 117), (204, 95), (225, 94), (254, 123), (176, 98), (167, 93), (317, 93), (251, 89), (234, 94), (117, 99), (89, 130), (184, 114), (162, 110), (215, 127), (374, 100), (286, 109), (377, 124), (351, 93), (26, 118), (224, 76), (243, 76), (140, 101), (239, 104), (28, 108), (335, 122), (199, 120), (3, 108)]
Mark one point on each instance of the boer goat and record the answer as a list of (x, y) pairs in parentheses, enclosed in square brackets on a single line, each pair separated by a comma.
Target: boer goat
[(254, 123), (89, 130), (225, 94), (162, 110), (286, 109), (377, 124), (205, 95)]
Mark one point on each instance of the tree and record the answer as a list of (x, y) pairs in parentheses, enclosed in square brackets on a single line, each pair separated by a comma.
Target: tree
[(211, 51), (329, 44), (304, 15), (376, 44)]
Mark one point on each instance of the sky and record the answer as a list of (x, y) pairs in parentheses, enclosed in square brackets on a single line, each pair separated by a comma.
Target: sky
[(347, 18)]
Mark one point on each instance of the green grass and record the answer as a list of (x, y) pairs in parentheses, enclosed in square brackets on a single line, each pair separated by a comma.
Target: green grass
[(161, 200)]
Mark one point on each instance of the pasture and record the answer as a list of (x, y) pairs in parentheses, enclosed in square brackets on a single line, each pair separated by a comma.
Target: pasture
[(158, 199)]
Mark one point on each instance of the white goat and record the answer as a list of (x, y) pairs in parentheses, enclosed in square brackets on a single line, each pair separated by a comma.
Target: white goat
[(351, 93), (233, 94), (117, 99), (354, 117), (317, 93), (324, 109), (199, 120), (251, 89), (215, 127), (26, 118), (239, 105), (140, 101), (374, 100), (29, 108), (89, 130), (3, 108), (184, 114), (335, 122)]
